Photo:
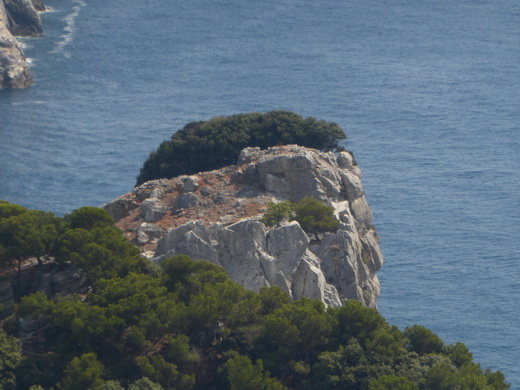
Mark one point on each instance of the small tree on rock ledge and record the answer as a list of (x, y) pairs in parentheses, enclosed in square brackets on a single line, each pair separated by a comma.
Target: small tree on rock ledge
[(312, 215), (277, 212), (315, 216)]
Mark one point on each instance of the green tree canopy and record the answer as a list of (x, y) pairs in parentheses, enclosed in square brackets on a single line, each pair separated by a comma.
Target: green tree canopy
[(315, 216), (10, 358), (27, 233), (207, 145), (83, 372), (312, 215), (422, 340), (242, 374), (277, 212), (188, 326), (89, 217)]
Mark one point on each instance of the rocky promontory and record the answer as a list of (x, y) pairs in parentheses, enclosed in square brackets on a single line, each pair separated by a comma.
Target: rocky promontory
[(216, 215), (17, 18)]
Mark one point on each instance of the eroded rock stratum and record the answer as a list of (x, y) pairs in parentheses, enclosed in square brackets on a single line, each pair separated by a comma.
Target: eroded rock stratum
[(215, 216)]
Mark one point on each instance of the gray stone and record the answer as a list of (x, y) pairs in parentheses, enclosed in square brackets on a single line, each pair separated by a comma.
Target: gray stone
[(276, 184), (288, 245), (247, 154), (69, 280), (308, 281), (147, 232), (205, 191), (152, 210), (23, 19), (362, 213), (120, 208), (186, 201), (190, 184)]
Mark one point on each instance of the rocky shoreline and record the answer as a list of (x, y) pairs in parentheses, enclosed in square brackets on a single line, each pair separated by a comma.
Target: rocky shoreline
[(17, 18)]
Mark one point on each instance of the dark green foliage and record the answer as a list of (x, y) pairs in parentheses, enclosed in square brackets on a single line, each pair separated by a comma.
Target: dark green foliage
[(273, 298), (312, 215), (39, 369), (82, 373), (186, 325), (391, 382), (165, 373), (8, 210), (422, 340), (459, 354), (26, 233), (35, 305), (145, 384), (242, 374), (315, 216), (204, 146), (10, 358), (111, 385), (359, 322), (277, 212), (186, 277), (293, 333), (88, 218), (102, 251)]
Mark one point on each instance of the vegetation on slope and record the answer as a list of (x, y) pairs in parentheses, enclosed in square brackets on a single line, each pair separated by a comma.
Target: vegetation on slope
[(312, 215), (186, 325), (208, 145)]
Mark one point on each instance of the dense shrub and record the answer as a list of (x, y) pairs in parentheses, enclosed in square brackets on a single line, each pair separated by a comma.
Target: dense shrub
[(312, 215), (315, 216), (204, 146)]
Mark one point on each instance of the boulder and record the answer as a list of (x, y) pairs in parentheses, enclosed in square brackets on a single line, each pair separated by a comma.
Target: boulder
[(147, 232), (152, 210)]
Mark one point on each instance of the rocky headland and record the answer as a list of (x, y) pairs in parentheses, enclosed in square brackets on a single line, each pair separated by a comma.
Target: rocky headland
[(17, 18), (216, 215)]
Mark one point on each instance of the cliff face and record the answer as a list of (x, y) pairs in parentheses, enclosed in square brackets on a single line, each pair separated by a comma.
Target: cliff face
[(17, 17), (215, 216)]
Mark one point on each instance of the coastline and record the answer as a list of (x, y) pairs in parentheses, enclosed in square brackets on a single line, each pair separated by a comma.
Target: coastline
[(18, 18)]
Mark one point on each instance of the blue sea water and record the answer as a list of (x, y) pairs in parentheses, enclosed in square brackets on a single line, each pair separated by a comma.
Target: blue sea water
[(428, 92)]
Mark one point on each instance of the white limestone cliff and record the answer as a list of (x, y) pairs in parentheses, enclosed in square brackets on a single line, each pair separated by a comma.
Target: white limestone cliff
[(215, 216)]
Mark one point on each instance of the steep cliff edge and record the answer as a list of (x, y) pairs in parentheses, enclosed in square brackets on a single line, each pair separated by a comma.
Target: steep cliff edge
[(17, 17), (215, 216)]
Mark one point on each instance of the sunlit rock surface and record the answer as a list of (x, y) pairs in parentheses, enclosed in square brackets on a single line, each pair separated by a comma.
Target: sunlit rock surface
[(215, 216)]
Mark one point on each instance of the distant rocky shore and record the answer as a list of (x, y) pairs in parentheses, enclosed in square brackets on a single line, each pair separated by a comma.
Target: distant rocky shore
[(17, 18)]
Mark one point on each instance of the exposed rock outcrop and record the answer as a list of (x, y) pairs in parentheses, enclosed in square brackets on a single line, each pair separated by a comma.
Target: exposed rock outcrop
[(17, 17), (23, 18), (50, 278), (14, 70), (215, 216)]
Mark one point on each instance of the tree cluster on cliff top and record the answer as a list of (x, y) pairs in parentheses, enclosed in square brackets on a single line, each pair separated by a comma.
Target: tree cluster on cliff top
[(186, 325), (207, 145), (312, 215)]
